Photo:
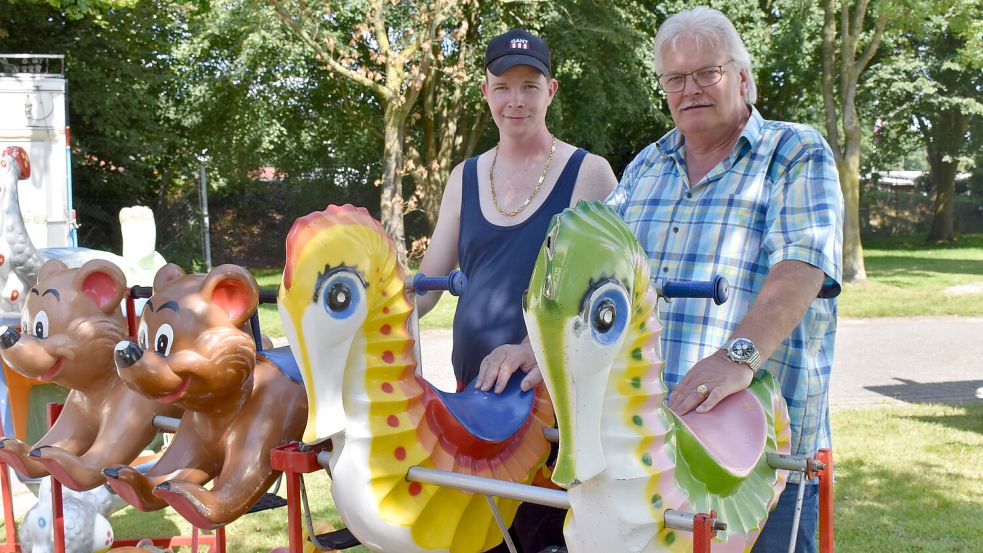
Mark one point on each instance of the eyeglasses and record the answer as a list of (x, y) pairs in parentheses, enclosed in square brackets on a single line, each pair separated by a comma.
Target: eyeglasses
[(703, 77)]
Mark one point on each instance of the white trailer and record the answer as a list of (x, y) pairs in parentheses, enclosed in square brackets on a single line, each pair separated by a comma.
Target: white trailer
[(33, 115)]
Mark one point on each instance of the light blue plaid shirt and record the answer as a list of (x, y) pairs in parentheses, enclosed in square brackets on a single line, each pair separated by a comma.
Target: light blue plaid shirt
[(775, 197)]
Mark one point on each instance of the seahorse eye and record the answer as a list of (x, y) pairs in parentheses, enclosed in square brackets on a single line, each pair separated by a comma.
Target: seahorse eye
[(339, 296), (605, 315)]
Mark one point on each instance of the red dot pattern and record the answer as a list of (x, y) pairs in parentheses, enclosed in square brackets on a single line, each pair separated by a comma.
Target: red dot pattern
[(386, 329), (400, 453), (387, 387), (392, 421), (388, 357), (415, 488)]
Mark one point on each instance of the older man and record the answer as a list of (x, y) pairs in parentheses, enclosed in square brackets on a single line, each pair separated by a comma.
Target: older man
[(758, 201)]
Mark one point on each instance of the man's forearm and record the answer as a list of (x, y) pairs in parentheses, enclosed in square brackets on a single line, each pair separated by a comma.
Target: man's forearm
[(787, 292)]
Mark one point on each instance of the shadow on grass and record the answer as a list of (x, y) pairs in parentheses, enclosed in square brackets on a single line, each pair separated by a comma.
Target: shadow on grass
[(970, 422), (131, 523), (879, 508), (911, 267), (956, 392)]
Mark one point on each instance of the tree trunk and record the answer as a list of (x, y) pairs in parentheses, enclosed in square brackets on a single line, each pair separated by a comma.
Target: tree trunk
[(943, 173), (391, 201), (948, 133), (849, 169)]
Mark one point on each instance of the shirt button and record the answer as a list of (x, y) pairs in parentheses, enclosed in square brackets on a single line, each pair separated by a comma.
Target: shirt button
[(689, 194), (665, 269), (675, 229)]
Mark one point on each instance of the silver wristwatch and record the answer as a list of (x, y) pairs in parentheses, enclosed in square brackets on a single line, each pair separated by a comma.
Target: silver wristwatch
[(742, 350)]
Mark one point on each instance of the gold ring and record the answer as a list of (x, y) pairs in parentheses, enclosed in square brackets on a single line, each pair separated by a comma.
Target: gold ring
[(703, 390)]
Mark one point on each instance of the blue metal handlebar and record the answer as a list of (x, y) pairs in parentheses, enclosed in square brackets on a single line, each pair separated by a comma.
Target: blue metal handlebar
[(455, 283), (717, 288)]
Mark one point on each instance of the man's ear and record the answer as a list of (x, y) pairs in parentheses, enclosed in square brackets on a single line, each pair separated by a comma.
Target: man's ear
[(552, 87)]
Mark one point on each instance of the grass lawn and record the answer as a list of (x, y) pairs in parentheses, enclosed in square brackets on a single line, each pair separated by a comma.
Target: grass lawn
[(908, 480), (906, 277)]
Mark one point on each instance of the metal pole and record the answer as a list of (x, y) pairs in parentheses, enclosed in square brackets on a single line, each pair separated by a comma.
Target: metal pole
[(489, 486), (206, 240)]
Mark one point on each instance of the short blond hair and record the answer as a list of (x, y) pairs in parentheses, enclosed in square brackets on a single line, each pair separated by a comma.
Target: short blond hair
[(712, 30)]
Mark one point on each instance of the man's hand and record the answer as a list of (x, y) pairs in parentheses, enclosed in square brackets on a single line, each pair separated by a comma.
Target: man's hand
[(497, 367), (721, 376)]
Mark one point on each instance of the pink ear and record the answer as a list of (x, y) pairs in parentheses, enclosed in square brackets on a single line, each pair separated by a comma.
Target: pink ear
[(234, 298), (102, 289), (102, 282)]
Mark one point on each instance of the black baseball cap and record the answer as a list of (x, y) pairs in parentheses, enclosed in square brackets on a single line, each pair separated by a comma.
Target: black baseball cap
[(517, 47)]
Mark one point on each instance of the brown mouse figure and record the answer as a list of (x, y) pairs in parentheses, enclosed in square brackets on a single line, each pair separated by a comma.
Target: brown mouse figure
[(71, 325), (194, 353)]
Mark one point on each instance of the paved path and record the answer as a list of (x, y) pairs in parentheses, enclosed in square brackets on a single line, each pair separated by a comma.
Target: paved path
[(878, 361)]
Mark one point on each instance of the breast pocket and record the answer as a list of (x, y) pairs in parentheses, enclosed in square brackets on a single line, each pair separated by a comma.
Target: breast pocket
[(737, 223)]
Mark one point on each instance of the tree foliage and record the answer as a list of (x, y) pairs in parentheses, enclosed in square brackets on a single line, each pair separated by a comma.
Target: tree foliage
[(373, 102)]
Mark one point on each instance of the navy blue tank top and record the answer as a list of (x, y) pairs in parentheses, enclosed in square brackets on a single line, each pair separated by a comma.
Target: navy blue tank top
[(498, 262)]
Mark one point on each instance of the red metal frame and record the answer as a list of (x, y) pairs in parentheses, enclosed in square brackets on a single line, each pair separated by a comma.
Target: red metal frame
[(825, 475), (295, 459), (703, 531), (215, 542), (9, 544), (131, 315)]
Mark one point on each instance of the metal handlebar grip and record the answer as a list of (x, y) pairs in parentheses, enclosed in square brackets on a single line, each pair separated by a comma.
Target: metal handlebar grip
[(717, 289), (141, 291), (455, 283)]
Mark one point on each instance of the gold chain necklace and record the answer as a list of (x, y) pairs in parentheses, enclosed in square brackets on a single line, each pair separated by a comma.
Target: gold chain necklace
[(539, 184)]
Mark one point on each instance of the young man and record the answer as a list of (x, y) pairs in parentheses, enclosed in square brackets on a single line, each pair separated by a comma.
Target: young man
[(496, 208), (492, 222)]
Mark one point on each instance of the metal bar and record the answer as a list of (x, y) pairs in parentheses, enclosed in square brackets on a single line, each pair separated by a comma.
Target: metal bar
[(57, 513), (166, 424), (205, 227), (501, 524), (295, 533), (682, 520), (826, 542), (131, 316), (489, 486), (219, 540), (797, 463), (703, 532), (796, 516), (552, 435)]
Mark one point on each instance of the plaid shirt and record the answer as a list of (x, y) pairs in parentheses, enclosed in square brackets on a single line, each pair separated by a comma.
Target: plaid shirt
[(775, 197)]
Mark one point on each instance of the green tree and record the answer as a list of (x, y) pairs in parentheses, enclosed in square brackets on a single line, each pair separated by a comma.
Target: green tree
[(848, 47), (934, 82), (387, 48)]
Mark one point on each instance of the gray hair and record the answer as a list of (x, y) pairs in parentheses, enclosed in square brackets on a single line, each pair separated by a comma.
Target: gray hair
[(712, 30)]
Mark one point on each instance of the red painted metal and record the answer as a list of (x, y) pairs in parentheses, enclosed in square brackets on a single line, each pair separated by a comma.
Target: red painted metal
[(826, 541), (703, 531), (58, 515), (131, 315), (295, 459), (9, 544)]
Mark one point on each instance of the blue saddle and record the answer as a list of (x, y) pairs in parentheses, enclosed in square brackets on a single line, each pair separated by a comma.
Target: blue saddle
[(283, 359), (489, 416)]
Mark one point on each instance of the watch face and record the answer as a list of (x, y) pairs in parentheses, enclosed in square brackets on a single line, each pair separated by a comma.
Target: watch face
[(742, 348)]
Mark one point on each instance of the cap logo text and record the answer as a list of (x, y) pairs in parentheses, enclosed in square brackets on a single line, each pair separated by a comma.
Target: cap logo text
[(520, 43)]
